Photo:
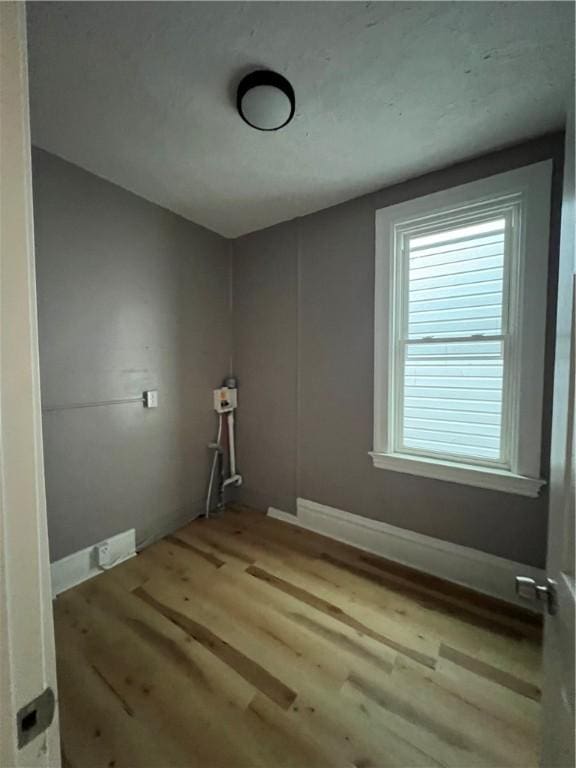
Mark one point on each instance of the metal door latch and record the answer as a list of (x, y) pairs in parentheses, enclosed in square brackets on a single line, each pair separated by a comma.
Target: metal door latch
[(35, 717), (529, 589)]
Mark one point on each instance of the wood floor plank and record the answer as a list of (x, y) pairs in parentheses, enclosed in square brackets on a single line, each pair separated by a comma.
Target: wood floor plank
[(208, 539), (243, 642), (290, 745), (426, 597), (492, 673), (100, 727), (214, 706), (500, 613), (168, 644), (299, 572), (354, 744), (335, 612), (208, 556), (244, 666), (323, 646), (453, 599), (329, 706), (435, 699), (257, 635), (199, 722), (437, 620), (438, 723), (127, 671), (517, 713)]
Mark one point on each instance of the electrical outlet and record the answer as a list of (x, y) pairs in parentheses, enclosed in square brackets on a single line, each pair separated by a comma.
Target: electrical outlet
[(103, 553), (150, 398)]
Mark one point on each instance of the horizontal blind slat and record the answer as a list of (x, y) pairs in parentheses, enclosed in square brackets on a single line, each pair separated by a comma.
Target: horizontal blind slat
[(423, 314), (463, 245), (451, 369), (480, 299), (453, 282), (474, 288), (449, 264), (480, 418), (489, 326), (431, 404), (455, 270), (446, 426), (454, 438)]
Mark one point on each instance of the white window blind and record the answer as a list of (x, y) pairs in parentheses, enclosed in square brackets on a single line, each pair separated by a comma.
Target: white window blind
[(452, 340), (460, 317)]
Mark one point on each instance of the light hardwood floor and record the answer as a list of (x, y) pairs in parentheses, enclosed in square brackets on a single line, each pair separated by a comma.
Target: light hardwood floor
[(244, 641)]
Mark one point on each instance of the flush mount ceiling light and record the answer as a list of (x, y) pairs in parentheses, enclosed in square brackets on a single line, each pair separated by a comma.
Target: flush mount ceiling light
[(265, 100)]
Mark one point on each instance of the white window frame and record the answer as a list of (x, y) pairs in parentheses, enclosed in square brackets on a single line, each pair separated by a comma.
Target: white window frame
[(523, 198)]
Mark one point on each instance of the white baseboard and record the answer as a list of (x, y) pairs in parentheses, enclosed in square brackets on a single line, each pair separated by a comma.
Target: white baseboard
[(468, 567), (80, 566)]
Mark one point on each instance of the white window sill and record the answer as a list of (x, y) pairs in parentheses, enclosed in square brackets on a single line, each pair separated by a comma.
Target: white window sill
[(464, 474)]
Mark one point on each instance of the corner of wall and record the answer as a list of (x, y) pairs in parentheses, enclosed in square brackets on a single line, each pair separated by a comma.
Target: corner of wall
[(231, 356), (298, 313)]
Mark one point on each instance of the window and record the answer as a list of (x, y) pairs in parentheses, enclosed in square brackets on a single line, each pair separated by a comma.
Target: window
[(460, 320)]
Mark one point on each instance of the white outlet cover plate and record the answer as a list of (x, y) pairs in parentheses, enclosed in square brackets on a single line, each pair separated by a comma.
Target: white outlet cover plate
[(151, 398), (103, 553)]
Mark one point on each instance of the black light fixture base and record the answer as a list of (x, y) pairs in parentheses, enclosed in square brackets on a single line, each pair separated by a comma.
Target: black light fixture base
[(265, 77)]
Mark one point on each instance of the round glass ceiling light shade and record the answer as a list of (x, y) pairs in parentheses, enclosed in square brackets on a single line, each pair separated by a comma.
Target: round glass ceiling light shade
[(265, 100)]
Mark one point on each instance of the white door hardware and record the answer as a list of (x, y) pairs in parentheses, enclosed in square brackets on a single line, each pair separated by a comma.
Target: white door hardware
[(35, 717), (529, 589)]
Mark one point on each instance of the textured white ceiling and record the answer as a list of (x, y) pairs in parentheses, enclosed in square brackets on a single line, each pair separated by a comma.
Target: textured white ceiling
[(142, 94)]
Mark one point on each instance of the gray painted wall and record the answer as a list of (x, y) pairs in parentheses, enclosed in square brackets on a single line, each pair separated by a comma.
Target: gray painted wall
[(265, 349), (303, 324), (130, 297)]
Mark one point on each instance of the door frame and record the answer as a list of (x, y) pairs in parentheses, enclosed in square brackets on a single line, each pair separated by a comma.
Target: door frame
[(558, 744), (27, 657)]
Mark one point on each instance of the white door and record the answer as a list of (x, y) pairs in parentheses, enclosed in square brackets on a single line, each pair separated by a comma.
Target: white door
[(558, 695), (27, 667)]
